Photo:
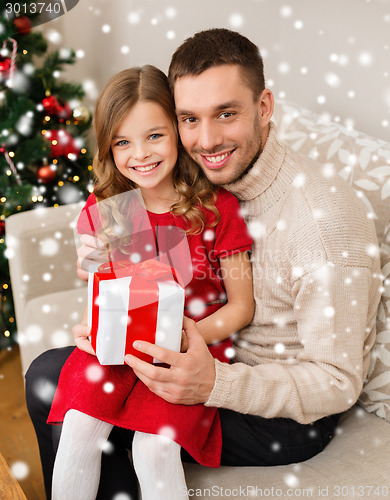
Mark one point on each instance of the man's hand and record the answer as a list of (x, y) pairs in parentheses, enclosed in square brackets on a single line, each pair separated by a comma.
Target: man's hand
[(92, 251), (80, 335), (190, 377)]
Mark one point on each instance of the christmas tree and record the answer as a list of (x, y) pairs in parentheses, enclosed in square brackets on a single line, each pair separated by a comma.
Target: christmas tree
[(44, 160)]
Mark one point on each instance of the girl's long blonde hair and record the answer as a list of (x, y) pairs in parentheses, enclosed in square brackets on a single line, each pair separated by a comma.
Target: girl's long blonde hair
[(121, 93)]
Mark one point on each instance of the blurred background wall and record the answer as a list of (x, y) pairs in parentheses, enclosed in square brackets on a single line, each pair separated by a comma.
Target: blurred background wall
[(330, 56)]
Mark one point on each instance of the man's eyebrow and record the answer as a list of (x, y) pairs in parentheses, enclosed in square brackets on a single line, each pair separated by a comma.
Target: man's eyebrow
[(228, 104), (220, 107)]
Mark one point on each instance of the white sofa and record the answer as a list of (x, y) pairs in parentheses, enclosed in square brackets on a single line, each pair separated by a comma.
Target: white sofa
[(49, 299)]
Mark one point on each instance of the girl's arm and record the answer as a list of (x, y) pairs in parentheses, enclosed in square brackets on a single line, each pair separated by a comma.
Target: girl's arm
[(238, 311)]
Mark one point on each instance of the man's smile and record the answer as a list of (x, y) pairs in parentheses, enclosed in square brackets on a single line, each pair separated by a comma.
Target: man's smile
[(218, 160)]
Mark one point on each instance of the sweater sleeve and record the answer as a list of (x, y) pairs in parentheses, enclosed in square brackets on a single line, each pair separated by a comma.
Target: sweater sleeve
[(333, 318)]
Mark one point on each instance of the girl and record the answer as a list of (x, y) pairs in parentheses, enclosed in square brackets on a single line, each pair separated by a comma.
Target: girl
[(138, 147)]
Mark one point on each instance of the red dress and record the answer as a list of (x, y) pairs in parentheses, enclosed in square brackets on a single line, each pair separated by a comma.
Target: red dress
[(114, 394)]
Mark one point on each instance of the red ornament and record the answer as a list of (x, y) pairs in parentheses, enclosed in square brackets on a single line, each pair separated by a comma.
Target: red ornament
[(5, 65), (62, 143), (46, 174), (51, 105), (2, 227), (23, 25)]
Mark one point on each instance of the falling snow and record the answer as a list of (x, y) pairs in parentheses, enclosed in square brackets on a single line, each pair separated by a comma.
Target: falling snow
[(20, 470)]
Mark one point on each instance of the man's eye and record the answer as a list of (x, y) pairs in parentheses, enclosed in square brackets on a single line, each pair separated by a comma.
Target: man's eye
[(226, 115), (190, 119)]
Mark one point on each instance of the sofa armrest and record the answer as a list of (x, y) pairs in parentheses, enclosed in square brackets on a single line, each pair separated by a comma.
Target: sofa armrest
[(42, 254)]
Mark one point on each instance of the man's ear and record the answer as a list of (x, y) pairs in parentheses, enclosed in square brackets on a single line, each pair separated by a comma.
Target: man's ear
[(266, 107)]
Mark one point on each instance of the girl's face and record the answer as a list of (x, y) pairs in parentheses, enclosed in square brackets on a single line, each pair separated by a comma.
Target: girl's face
[(145, 147)]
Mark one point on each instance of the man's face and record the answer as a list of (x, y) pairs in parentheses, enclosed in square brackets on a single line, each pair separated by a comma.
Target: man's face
[(220, 123)]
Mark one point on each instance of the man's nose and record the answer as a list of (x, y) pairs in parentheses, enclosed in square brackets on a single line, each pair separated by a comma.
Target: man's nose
[(209, 137)]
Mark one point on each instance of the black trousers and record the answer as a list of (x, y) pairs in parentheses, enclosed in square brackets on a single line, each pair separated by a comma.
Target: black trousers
[(248, 440)]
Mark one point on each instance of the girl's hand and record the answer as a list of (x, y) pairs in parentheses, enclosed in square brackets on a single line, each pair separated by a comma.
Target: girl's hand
[(92, 251), (184, 342), (80, 335)]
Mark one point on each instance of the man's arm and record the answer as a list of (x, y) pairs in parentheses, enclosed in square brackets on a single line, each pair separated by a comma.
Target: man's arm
[(325, 377), (335, 309)]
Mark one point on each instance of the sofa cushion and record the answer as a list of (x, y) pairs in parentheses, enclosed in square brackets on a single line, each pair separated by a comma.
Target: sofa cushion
[(375, 396), (361, 160), (50, 319), (354, 464)]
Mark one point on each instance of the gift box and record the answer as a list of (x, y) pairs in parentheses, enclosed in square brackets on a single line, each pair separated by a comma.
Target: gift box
[(128, 302)]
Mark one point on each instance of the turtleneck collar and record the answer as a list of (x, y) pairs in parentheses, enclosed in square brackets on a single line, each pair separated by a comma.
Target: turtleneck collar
[(263, 172)]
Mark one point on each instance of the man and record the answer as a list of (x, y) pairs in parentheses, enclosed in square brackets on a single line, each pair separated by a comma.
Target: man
[(303, 359)]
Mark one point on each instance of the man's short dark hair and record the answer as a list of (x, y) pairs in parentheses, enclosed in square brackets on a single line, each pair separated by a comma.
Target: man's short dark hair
[(215, 47)]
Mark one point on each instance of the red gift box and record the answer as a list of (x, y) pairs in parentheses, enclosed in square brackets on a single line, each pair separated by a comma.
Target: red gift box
[(129, 302)]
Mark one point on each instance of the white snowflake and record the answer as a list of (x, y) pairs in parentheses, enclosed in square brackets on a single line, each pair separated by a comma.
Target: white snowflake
[(365, 58), (49, 247), (279, 348), (236, 20), (333, 80), (20, 470), (59, 338), (94, 373), (33, 334), (230, 352), (329, 312), (44, 390), (167, 431), (298, 25), (291, 480), (108, 387), (134, 17), (196, 307), (106, 447)]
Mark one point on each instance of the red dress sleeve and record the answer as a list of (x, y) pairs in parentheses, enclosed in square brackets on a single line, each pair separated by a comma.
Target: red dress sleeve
[(231, 232)]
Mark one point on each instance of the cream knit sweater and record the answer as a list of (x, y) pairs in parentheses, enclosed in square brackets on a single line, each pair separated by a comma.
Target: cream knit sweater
[(316, 284)]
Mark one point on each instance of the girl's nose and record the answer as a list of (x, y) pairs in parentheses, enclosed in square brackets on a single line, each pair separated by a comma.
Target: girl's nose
[(141, 152)]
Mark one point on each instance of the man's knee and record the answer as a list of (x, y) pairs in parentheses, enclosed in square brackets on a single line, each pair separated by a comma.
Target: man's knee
[(42, 378)]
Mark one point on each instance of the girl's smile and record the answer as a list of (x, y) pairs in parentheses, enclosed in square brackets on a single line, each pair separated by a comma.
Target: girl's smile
[(145, 169)]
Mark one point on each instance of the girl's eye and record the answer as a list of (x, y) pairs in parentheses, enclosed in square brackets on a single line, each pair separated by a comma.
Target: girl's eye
[(123, 142), (155, 136)]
